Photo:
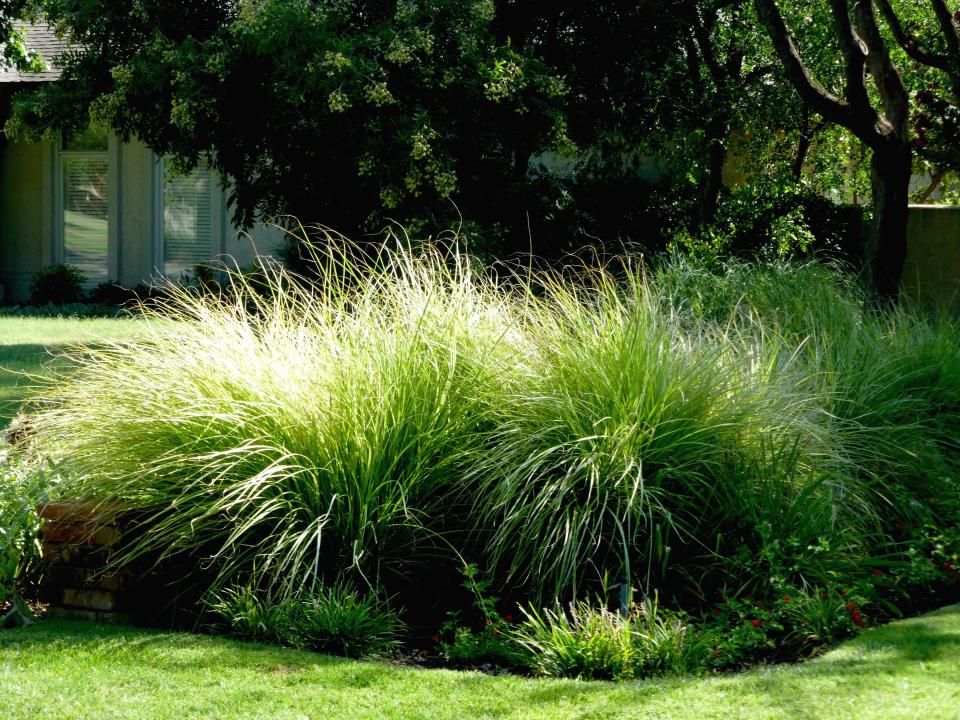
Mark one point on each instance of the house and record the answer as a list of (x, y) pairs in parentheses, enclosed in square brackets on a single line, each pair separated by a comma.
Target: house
[(112, 209)]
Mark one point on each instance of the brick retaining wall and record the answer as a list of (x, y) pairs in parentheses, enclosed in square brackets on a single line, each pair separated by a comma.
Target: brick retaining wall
[(79, 540)]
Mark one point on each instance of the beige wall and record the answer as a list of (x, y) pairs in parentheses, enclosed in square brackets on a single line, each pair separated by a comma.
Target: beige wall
[(25, 215), (27, 223), (932, 270)]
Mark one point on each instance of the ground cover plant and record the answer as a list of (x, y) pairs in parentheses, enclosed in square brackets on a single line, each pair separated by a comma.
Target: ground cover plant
[(82, 671), (750, 444)]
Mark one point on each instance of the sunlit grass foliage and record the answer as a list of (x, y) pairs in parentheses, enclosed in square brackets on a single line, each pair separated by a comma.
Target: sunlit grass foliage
[(702, 431)]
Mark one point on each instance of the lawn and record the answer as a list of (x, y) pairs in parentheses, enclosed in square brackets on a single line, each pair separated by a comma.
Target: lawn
[(80, 671), (27, 346)]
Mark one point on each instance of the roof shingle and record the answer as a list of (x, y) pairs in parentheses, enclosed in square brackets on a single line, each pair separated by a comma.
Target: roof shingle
[(40, 39)]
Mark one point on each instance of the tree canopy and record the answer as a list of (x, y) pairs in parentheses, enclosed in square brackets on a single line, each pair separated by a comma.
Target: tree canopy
[(558, 120)]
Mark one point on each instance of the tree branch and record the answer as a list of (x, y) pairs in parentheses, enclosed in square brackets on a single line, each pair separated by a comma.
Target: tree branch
[(935, 180), (812, 92), (945, 19), (909, 43), (855, 59), (702, 37), (893, 93)]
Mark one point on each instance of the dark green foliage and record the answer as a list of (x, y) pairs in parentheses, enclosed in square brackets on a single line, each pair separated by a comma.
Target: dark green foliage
[(21, 490), (336, 620), (57, 285)]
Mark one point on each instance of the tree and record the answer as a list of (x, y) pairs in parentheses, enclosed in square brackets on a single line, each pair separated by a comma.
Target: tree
[(884, 131), (345, 113)]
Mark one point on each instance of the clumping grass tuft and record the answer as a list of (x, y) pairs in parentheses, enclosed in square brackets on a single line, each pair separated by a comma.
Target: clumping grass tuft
[(296, 432), (594, 643), (336, 620)]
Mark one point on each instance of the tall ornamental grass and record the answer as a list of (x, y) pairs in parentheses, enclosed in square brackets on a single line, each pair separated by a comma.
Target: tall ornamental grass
[(704, 431), (641, 447), (296, 432)]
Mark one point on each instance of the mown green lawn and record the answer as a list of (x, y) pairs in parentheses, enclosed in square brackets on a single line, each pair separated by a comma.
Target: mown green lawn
[(59, 670), (27, 346)]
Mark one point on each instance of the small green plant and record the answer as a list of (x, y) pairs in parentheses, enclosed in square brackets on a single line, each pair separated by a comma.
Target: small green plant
[(493, 642), (341, 621), (818, 616), (21, 490), (337, 620), (251, 616), (57, 285), (594, 643)]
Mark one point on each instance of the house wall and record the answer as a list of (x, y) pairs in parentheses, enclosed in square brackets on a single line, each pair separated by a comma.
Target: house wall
[(932, 270), (27, 227), (25, 216)]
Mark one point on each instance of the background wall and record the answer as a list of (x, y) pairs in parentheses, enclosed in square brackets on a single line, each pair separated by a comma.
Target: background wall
[(932, 271)]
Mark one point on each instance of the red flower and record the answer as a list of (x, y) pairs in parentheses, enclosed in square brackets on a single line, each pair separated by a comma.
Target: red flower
[(756, 623), (508, 618), (788, 598), (717, 612), (857, 620), (949, 566), (876, 573), (851, 606), (435, 638)]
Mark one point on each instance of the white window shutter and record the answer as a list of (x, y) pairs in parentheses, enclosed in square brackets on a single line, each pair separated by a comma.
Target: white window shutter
[(188, 221)]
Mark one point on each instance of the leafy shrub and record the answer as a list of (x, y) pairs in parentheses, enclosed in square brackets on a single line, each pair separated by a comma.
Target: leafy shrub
[(493, 641), (57, 285), (21, 490)]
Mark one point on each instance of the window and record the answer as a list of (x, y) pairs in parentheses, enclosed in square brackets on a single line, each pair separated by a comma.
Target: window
[(83, 205), (191, 224)]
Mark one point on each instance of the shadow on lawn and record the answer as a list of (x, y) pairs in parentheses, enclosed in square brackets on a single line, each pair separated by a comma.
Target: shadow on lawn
[(18, 363)]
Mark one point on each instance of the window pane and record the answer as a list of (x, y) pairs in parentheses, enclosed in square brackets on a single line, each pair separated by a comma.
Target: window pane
[(85, 217), (187, 222)]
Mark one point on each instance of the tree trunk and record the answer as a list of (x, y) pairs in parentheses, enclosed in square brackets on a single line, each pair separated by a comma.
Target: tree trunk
[(711, 180), (886, 248)]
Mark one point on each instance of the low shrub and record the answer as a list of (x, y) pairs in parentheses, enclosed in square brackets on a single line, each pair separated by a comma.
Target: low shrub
[(336, 620), (57, 285), (21, 490), (490, 638)]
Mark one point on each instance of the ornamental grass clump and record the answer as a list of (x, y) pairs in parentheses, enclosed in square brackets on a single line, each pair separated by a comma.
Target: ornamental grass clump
[(591, 642), (639, 444), (295, 431)]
